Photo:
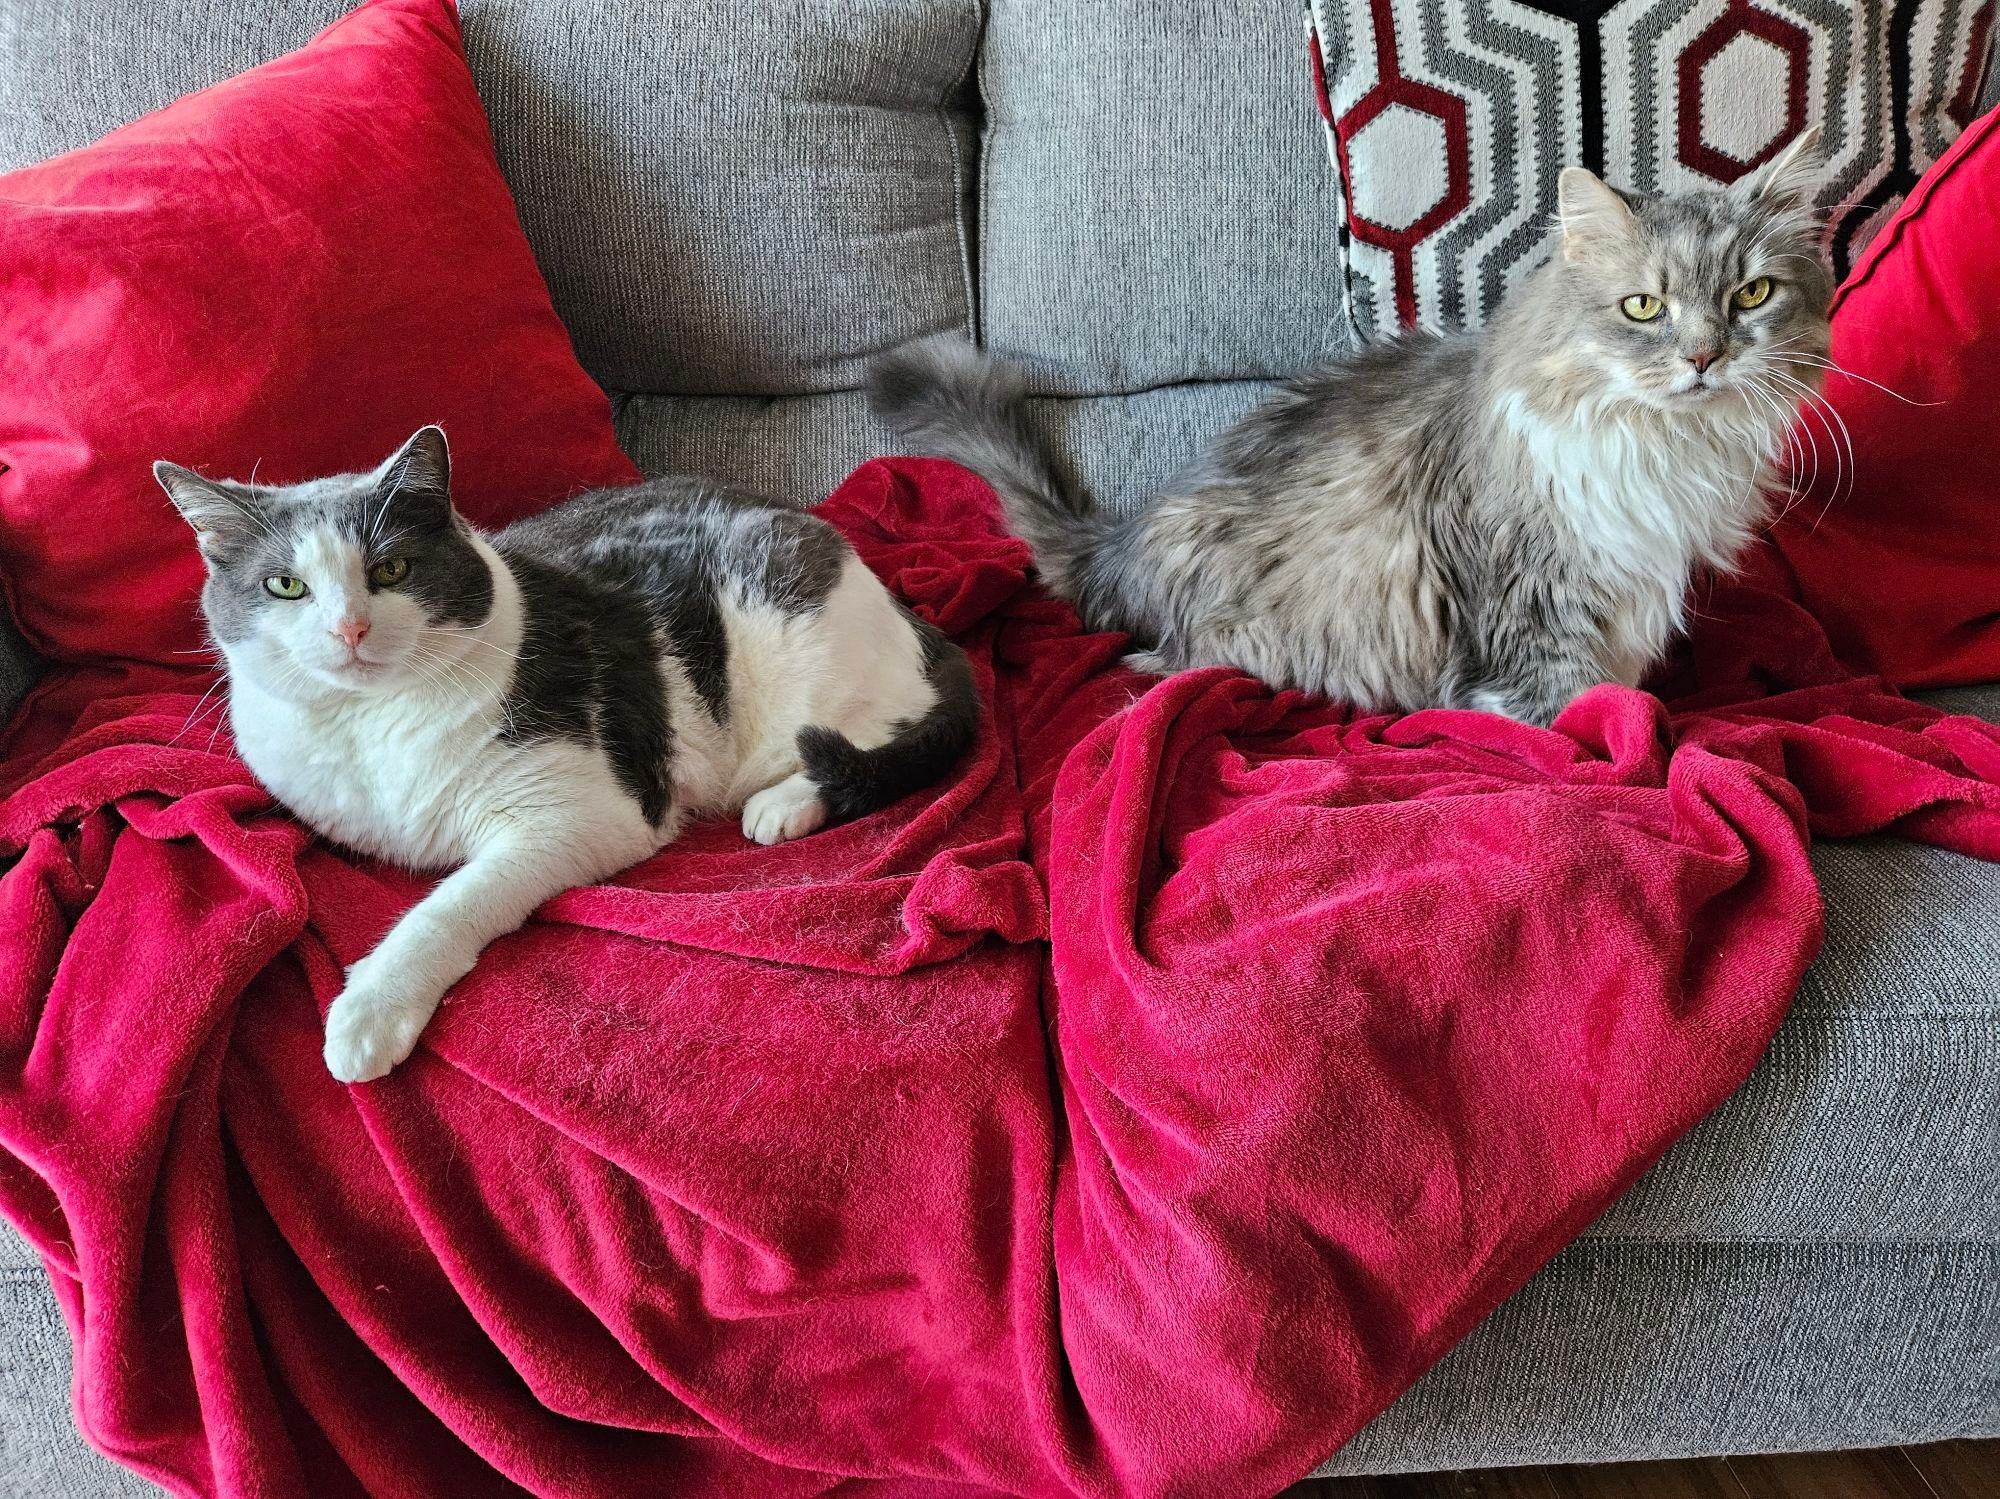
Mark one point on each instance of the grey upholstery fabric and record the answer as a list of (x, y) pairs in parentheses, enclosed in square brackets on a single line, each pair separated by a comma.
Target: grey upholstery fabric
[(1126, 447), (736, 199), (1156, 203), (1620, 1351), (795, 447), (799, 447), (41, 1454), (70, 70), (1875, 1116)]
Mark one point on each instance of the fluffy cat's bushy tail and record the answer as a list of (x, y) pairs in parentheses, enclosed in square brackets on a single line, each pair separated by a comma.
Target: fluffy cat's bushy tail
[(951, 401)]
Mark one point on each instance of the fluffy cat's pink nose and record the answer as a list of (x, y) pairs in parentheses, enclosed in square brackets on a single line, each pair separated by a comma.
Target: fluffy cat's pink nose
[(352, 631), (1701, 359)]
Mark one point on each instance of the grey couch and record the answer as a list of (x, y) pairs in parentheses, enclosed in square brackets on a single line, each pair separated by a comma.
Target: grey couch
[(737, 202)]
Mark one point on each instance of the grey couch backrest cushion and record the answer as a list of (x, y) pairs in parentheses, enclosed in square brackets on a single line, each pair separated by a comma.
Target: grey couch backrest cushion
[(1156, 204), (737, 198)]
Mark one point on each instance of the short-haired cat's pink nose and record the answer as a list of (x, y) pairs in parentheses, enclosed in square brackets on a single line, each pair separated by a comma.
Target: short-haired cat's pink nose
[(1701, 359), (352, 631)]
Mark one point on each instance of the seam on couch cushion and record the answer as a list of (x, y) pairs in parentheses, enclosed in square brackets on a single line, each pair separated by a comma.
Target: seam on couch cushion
[(955, 159)]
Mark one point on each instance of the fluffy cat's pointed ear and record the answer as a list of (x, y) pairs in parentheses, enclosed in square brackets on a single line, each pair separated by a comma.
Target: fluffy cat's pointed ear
[(1593, 214), (421, 466), (1789, 179), (220, 516)]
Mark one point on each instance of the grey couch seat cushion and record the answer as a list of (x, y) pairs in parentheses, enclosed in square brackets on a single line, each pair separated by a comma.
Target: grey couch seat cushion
[(1872, 1117), (800, 447), (1620, 1350)]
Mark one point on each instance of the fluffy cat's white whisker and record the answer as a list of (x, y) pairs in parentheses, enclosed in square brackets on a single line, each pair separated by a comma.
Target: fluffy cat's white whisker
[(1813, 399), (1757, 387), (1800, 427), (200, 703), (1842, 439), (1783, 419), (1829, 364)]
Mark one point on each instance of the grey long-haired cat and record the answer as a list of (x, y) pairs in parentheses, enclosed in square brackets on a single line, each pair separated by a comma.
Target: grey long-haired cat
[(1497, 519), (543, 706)]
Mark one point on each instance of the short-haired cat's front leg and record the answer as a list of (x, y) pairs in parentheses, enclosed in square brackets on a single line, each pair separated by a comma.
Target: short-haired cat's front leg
[(391, 993)]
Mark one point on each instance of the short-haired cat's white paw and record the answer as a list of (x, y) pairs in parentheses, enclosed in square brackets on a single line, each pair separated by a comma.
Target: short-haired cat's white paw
[(790, 809), (370, 1026)]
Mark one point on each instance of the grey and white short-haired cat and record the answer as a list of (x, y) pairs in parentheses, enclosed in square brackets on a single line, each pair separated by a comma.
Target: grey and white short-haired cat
[(542, 707), (1497, 519)]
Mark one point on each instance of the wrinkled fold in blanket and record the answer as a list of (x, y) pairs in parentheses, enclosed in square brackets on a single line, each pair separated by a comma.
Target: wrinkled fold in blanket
[(1138, 1113)]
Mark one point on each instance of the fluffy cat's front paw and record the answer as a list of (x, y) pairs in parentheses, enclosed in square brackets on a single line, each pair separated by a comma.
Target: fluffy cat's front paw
[(777, 814), (372, 1026)]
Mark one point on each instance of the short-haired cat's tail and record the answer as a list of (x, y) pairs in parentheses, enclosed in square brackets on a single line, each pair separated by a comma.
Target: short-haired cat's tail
[(852, 781), (952, 401)]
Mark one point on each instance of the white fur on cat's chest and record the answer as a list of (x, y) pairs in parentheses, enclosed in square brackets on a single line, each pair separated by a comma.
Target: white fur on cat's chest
[(384, 777)]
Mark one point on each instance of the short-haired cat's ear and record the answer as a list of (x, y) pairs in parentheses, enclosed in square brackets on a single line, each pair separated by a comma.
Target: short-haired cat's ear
[(420, 466), (1788, 180), (220, 516), (1593, 213)]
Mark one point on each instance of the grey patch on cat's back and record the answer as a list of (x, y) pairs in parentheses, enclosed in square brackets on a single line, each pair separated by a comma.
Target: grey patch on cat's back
[(678, 543), (790, 559)]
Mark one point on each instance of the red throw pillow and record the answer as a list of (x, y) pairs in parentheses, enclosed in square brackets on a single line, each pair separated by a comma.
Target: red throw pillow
[(1903, 566), (285, 274)]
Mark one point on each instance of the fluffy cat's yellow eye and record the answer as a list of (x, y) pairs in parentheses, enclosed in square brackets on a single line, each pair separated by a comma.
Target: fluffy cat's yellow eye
[(283, 587), (1641, 309), (383, 574), (1752, 293)]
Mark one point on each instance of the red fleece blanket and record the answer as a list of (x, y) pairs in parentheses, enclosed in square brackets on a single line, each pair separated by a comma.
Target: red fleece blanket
[(785, 1171)]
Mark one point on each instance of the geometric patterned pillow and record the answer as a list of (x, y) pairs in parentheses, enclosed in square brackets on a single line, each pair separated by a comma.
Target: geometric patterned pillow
[(1449, 121)]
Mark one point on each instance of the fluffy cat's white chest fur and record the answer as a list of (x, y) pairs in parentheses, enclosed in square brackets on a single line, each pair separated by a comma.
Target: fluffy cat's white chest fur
[(1647, 499)]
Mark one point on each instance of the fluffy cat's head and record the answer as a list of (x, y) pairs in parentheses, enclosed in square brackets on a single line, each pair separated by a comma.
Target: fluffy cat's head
[(359, 583), (1693, 300)]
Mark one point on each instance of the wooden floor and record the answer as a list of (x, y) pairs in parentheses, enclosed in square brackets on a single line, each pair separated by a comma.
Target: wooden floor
[(1949, 1470)]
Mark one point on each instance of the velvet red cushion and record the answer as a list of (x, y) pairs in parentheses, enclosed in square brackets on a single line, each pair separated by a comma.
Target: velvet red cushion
[(1902, 565), (287, 273)]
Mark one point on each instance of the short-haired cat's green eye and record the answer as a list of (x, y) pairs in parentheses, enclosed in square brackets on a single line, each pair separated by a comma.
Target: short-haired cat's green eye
[(284, 587), (386, 574), (1752, 293), (1641, 308)]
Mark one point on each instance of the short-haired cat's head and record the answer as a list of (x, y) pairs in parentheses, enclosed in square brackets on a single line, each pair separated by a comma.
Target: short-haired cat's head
[(1677, 300), (350, 584)]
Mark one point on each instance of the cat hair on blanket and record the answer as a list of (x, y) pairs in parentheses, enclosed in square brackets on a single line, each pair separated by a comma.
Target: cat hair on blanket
[(543, 706), (1495, 519)]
